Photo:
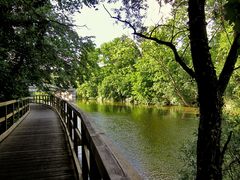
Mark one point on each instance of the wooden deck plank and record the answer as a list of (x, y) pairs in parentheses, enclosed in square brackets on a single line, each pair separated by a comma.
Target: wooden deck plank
[(37, 149)]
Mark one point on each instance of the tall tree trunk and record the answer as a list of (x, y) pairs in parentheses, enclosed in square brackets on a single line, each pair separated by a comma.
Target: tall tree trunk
[(210, 100), (209, 160)]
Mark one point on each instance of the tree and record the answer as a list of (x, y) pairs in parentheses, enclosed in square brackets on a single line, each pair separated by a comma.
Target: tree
[(169, 83), (117, 58), (38, 46), (211, 86)]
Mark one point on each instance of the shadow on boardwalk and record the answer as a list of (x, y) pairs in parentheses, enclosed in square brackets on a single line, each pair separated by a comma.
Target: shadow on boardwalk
[(37, 149)]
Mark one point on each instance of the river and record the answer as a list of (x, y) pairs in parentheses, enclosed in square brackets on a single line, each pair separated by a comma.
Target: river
[(150, 138)]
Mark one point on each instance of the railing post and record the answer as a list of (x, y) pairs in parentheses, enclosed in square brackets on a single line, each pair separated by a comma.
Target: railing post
[(94, 173), (69, 117), (51, 101), (65, 112), (28, 104), (62, 110), (75, 126), (58, 105), (13, 115), (84, 158), (2, 124), (24, 108), (48, 100), (6, 113), (18, 112)]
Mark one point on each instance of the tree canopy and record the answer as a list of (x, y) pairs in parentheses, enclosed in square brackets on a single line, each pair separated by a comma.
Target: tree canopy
[(39, 47)]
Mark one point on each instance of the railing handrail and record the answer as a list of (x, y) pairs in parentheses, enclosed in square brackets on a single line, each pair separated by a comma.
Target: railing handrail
[(100, 159), (11, 114), (13, 101)]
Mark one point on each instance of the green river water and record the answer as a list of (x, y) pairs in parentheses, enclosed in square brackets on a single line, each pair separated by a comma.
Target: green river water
[(150, 138)]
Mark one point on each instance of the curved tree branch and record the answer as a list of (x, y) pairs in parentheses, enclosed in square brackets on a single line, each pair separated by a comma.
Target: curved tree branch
[(174, 50), (161, 42)]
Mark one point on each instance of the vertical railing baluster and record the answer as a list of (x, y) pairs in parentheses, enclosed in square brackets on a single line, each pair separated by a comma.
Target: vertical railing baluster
[(13, 115), (84, 158), (28, 104), (51, 101), (75, 126), (18, 113), (61, 109), (67, 118), (23, 106), (70, 121), (94, 172), (65, 112), (6, 112), (2, 115)]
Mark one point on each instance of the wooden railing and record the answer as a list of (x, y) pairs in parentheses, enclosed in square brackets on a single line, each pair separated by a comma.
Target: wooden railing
[(95, 157), (11, 113)]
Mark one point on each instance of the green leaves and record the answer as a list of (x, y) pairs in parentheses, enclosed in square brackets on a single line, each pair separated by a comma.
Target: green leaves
[(38, 46), (148, 77)]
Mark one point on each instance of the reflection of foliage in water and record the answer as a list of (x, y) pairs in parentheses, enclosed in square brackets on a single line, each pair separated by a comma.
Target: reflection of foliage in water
[(231, 164), (149, 137)]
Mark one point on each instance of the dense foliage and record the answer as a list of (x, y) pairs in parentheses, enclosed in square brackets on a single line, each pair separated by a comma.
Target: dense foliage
[(130, 72), (231, 162), (38, 46)]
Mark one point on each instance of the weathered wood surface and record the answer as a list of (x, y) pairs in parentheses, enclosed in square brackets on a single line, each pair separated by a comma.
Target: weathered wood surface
[(37, 149)]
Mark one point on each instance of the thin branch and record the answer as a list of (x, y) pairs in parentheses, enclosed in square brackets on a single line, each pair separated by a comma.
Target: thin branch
[(214, 34), (174, 50), (173, 29), (174, 83), (59, 23), (185, 50), (152, 31), (236, 68), (175, 35), (226, 145), (225, 30), (118, 19), (165, 25), (161, 42)]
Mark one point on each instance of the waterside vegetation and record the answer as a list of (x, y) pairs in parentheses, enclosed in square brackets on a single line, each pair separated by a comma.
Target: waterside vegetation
[(190, 59)]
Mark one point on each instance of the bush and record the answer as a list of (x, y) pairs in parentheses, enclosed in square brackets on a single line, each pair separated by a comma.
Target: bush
[(231, 163)]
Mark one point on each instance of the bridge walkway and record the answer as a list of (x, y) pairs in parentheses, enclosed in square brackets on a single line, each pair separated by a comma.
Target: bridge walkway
[(37, 149)]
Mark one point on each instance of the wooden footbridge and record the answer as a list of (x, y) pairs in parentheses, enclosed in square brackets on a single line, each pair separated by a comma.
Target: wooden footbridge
[(45, 137)]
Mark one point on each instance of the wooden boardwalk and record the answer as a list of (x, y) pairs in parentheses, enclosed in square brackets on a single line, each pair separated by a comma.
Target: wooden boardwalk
[(37, 149)]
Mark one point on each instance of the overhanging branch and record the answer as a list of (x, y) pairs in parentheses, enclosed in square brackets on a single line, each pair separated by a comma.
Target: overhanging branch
[(161, 42)]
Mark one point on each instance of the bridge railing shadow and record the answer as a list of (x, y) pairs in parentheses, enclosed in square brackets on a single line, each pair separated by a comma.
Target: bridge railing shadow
[(94, 155)]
